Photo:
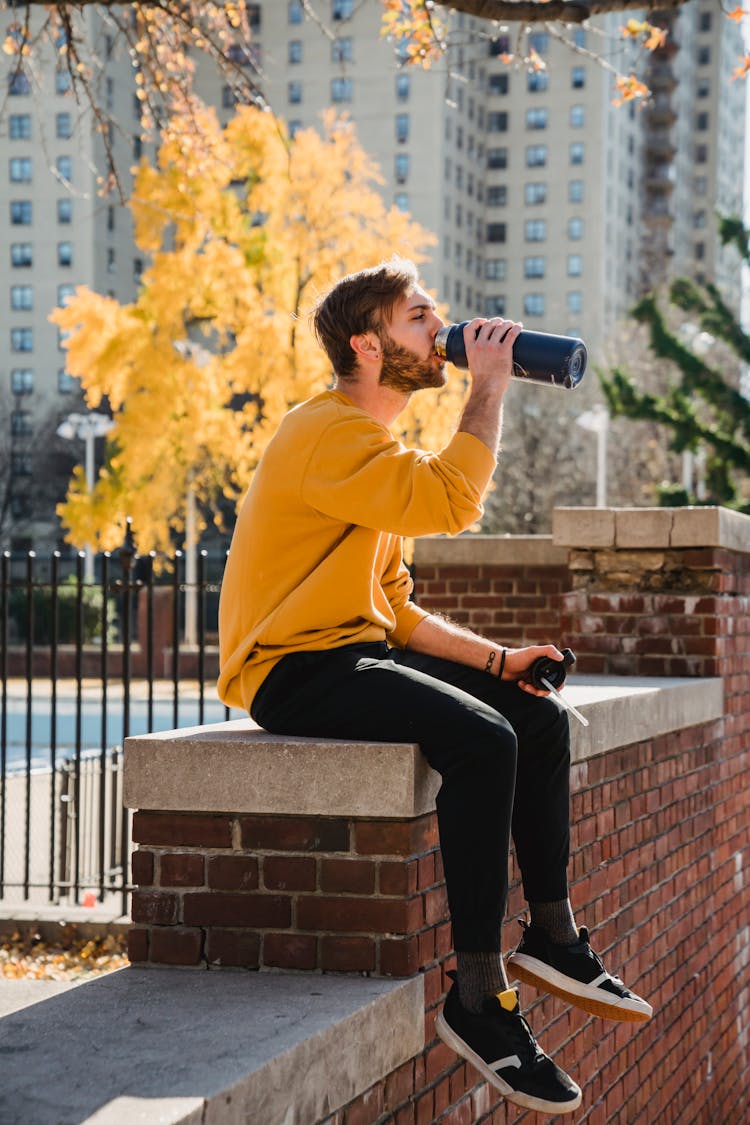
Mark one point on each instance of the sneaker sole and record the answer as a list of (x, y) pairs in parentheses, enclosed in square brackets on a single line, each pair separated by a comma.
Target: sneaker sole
[(544, 977), (527, 1101)]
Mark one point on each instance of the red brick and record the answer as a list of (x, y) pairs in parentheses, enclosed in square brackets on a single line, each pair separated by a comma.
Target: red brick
[(152, 908), (138, 943), (398, 878), (399, 958), (396, 837), (176, 946), (196, 830), (142, 867), (295, 834), (233, 947), (425, 1108), (358, 915), (233, 872), (226, 909), (347, 954), (365, 1109), (290, 951), (347, 876), (399, 1086), (289, 873), (182, 869)]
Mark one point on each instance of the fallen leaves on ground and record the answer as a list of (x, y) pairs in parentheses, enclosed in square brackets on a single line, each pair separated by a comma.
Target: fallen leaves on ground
[(27, 956)]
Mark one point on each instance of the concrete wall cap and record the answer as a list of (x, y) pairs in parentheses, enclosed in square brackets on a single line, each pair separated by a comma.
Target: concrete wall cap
[(236, 767), (633, 528), (489, 550)]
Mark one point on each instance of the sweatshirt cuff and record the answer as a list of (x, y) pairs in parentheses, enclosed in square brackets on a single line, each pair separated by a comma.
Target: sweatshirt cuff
[(472, 457), (408, 618)]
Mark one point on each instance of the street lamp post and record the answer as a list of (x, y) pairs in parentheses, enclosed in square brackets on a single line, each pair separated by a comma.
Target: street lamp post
[(86, 428), (597, 421)]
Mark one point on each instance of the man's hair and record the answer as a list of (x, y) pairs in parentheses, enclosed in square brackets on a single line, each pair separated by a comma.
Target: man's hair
[(360, 302)]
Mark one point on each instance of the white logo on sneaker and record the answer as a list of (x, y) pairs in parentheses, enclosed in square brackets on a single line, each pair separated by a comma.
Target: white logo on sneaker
[(510, 1060)]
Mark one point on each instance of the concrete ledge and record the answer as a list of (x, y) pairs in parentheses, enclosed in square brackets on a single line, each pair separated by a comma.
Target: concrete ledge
[(201, 1048), (492, 550), (237, 767), (634, 528)]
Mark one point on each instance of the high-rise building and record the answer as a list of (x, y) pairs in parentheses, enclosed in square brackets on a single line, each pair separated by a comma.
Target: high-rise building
[(550, 204)]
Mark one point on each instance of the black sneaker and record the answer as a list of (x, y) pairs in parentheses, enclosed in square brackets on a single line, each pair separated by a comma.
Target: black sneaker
[(499, 1043), (575, 973)]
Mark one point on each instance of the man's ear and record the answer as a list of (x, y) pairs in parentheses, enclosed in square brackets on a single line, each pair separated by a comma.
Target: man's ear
[(366, 345)]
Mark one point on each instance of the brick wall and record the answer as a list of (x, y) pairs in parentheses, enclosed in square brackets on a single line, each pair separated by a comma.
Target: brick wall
[(660, 832)]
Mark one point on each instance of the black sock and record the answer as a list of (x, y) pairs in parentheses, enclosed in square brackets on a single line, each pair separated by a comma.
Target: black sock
[(557, 919), (479, 975)]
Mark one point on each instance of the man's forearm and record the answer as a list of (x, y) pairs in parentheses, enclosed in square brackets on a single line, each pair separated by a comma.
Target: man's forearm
[(438, 637), (483, 417)]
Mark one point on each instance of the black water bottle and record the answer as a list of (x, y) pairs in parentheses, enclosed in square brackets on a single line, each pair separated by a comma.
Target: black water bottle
[(538, 357)]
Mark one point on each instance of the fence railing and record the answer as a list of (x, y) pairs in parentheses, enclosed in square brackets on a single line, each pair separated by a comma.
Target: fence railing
[(83, 665)]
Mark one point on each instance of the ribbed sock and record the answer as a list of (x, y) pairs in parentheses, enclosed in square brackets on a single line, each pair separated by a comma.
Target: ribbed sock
[(479, 975), (557, 919)]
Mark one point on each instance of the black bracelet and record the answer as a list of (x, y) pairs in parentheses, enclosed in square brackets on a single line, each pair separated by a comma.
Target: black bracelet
[(503, 654)]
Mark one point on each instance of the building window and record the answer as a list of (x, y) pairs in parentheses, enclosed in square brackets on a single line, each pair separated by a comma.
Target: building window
[(495, 269), (22, 339), (66, 383), (494, 306), (575, 191), (578, 77), (295, 51), (20, 423), (699, 219), (21, 254), (574, 302), (497, 195), (534, 267), (21, 213), (536, 118), (535, 230), (295, 13), (293, 127), (20, 127), (401, 200), (341, 89), (342, 9), (63, 126), (496, 232), (579, 37), (20, 170), (576, 152), (342, 50), (20, 463), (403, 87), (22, 381), (701, 154), (498, 84), (402, 127), (137, 147), (703, 87), (294, 93), (701, 121), (137, 269), (18, 84), (402, 167), (537, 81), (533, 304), (700, 185), (539, 42), (65, 210), (704, 56), (228, 98), (64, 294), (65, 253), (536, 156), (704, 22), (111, 260), (577, 117), (497, 122), (575, 265), (65, 168), (62, 81), (575, 229), (21, 298), (535, 193), (497, 158)]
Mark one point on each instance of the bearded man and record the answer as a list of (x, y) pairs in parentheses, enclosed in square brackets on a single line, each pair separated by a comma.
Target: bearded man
[(319, 637)]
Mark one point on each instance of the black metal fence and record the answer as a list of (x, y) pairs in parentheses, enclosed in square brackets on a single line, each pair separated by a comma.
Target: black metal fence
[(83, 665)]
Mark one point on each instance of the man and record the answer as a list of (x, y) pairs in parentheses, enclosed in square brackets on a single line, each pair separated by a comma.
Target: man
[(318, 637)]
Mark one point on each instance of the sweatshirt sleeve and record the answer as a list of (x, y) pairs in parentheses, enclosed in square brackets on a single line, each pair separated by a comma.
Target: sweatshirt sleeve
[(359, 474), (398, 585)]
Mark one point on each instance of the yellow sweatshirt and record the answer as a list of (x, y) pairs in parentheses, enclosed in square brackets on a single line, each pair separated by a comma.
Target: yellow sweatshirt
[(316, 557)]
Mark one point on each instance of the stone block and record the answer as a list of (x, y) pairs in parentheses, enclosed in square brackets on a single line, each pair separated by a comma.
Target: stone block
[(583, 527), (711, 527), (643, 527)]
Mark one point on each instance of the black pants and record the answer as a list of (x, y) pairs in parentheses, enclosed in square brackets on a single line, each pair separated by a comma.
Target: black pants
[(503, 755)]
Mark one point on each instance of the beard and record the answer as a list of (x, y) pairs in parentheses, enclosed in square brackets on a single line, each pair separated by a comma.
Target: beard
[(405, 371)]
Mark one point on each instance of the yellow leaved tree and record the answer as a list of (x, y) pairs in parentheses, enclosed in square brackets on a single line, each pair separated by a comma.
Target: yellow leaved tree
[(245, 228)]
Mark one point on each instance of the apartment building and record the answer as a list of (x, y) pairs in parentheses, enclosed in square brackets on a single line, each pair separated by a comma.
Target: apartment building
[(550, 204)]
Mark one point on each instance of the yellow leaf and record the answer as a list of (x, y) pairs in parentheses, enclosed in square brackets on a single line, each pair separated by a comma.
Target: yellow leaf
[(737, 14)]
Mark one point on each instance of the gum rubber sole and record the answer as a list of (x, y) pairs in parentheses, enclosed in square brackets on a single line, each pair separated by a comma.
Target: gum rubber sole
[(587, 1003), (527, 1101)]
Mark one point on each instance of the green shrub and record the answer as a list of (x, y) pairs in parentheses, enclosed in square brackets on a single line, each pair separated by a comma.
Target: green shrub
[(67, 594)]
